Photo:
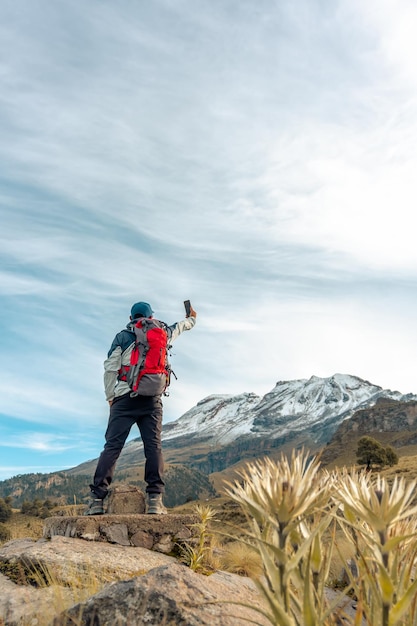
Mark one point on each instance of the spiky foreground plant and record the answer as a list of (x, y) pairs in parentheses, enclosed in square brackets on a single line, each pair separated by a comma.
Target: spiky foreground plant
[(198, 554), (288, 504), (380, 521)]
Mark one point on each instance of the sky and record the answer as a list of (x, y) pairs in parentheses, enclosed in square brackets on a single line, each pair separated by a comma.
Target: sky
[(258, 158)]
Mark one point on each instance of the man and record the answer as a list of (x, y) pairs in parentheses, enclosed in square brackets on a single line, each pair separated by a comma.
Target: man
[(126, 410)]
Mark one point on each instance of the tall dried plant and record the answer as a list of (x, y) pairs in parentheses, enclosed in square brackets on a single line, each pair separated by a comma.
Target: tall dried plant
[(294, 511), (380, 520), (288, 505), (198, 554)]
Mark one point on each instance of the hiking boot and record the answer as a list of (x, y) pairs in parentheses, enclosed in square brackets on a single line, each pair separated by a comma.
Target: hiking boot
[(95, 507), (155, 504)]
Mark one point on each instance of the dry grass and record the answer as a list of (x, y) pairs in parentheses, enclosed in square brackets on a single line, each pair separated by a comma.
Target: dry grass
[(83, 583), (24, 526), (240, 558)]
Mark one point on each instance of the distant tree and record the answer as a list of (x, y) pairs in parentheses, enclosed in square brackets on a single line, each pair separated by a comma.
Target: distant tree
[(370, 452), (392, 456), (37, 508), (5, 510), (26, 507)]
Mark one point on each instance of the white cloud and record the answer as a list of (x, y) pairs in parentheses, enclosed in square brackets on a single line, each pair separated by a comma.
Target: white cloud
[(394, 22), (258, 158), (40, 442)]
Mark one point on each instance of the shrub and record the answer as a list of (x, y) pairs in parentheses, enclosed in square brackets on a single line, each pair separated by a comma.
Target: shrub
[(37, 508), (5, 510), (392, 456), (5, 533)]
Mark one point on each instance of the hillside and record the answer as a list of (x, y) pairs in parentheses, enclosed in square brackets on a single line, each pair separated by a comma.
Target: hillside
[(388, 421), (182, 485)]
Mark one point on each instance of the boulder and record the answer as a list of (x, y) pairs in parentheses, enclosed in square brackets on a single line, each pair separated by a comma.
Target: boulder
[(170, 595), (73, 565), (143, 587), (66, 557), (106, 584)]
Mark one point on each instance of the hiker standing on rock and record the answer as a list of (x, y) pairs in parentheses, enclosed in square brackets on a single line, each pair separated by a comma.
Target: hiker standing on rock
[(136, 374)]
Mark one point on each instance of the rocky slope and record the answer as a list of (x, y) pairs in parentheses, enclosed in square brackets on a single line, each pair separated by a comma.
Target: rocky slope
[(389, 421)]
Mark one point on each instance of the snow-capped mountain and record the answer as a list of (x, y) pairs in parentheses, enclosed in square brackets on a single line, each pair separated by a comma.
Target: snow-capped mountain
[(222, 430), (316, 405)]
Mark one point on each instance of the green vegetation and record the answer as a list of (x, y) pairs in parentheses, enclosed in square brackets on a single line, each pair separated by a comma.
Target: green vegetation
[(37, 508), (370, 452), (182, 485), (5, 509), (59, 487)]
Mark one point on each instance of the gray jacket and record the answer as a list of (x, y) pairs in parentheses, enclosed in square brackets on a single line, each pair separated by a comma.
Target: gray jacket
[(119, 354)]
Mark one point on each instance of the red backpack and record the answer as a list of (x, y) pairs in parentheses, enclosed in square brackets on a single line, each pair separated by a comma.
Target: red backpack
[(149, 371)]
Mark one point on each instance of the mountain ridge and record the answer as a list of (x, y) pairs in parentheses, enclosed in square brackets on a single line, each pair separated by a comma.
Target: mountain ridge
[(290, 406), (221, 431)]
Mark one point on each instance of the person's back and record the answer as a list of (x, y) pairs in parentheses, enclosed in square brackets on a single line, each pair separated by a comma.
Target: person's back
[(128, 407)]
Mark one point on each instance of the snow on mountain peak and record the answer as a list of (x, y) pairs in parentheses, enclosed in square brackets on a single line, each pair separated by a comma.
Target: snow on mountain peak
[(293, 405), (217, 417)]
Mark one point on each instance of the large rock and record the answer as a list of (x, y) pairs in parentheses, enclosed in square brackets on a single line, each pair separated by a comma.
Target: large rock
[(171, 595), (67, 561), (154, 588), (65, 556), (154, 532)]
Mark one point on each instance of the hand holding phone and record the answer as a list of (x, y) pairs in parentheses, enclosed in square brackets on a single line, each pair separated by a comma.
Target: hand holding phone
[(187, 306)]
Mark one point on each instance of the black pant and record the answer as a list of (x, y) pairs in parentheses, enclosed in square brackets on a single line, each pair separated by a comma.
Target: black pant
[(146, 412)]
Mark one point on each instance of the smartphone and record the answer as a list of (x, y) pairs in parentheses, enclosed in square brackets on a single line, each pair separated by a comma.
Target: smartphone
[(187, 306)]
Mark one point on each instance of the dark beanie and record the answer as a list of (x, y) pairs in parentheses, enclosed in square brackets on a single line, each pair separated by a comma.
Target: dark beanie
[(141, 309)]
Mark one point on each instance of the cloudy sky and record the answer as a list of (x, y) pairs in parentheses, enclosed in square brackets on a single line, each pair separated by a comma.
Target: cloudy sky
[(258, 158)]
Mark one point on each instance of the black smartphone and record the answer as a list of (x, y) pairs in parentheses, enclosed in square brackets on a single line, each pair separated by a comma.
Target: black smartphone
[(187, 306)]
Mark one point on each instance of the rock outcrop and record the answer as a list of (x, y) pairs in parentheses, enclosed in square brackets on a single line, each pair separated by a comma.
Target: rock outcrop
[(146, 587), (154, 532)]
